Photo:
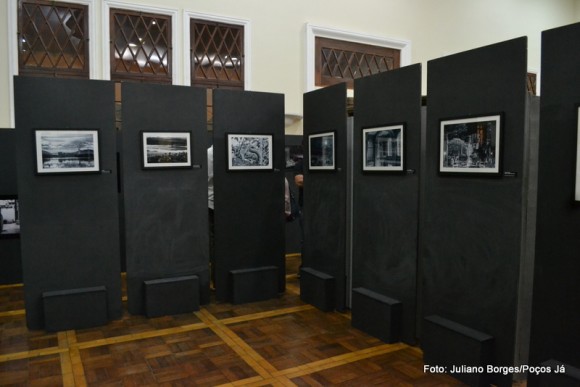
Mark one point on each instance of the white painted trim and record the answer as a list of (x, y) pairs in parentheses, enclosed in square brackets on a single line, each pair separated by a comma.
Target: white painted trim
[(176, 28), (314, 31), (187, 15), (12, 55)]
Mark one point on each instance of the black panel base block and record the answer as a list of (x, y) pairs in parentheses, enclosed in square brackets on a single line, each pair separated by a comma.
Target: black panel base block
[(255, 284), (456, 347), (377, 315), (75, 308), (560, 374), (317, 288), (168, 296)]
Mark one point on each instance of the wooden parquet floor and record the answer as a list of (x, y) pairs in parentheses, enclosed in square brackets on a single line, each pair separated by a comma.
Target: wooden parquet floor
[(280, 342)]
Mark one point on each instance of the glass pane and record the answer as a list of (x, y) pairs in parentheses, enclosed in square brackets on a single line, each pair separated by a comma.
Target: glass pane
[(340, 61), (52, 38), (217, 54), (140, 46)]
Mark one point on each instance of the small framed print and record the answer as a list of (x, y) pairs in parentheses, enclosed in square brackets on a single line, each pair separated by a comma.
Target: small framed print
[(9, 217), (250, 152), (321, 152), (294, 153), (383, 148), (61, 151), (577, 188), (166, 150), (471, 146)]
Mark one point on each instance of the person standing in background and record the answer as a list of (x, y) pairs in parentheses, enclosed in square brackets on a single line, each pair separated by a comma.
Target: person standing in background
[(210, 207), (299, 181)]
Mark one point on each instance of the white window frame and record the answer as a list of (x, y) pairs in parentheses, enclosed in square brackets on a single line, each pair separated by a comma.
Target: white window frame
[(314, 31), (188, 15), (13, 47), (176, 68)]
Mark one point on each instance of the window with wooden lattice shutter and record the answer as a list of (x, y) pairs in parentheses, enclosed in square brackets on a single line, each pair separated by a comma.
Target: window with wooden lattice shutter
[(140, 46), (217, 54), (339, 61), (53, 39), (531, 83)]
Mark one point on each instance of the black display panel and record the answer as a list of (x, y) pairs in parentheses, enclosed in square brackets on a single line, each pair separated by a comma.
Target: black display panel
[(249, 203), (555, 314), (164, 180), (472, 229), (10, 261), (386, 201), (69, 222), (325, 189)]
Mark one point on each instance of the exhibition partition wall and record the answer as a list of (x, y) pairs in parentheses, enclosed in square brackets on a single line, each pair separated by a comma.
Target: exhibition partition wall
[(164, 185), (67, 180), (293, 151), (10, 261), (474, 232), (323, 280), (556, 316), (387, 145), (249, 166)]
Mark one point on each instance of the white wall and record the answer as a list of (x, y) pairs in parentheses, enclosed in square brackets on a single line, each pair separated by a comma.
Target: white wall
[(5, 89), (278, 37)]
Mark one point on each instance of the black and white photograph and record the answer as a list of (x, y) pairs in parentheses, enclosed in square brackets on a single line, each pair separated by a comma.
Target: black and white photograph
[(470, 145), (166, 150), (294, 154), (383, 148), (250, 152), (67, 151), (9, 219), (321, 151), (577, 190)]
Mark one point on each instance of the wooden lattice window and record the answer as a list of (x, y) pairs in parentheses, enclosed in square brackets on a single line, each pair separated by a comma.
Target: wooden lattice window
[(217, 54), (531, 83), (140, 46), (339, 61), (53, 39)]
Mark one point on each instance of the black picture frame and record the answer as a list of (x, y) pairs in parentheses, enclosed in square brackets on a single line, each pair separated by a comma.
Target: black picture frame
[(9, 217), (166, 150), (471, 146), (293, 153), (383, 148), (67, 151), (322, 151), (250, 152)]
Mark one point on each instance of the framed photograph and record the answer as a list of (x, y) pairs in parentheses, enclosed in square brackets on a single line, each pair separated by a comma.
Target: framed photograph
[(321, 152), (577, 188), (166, 150), (470, 145), (67, 151), (383, 148), (9, 217), (250, 152), (294, 154)]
